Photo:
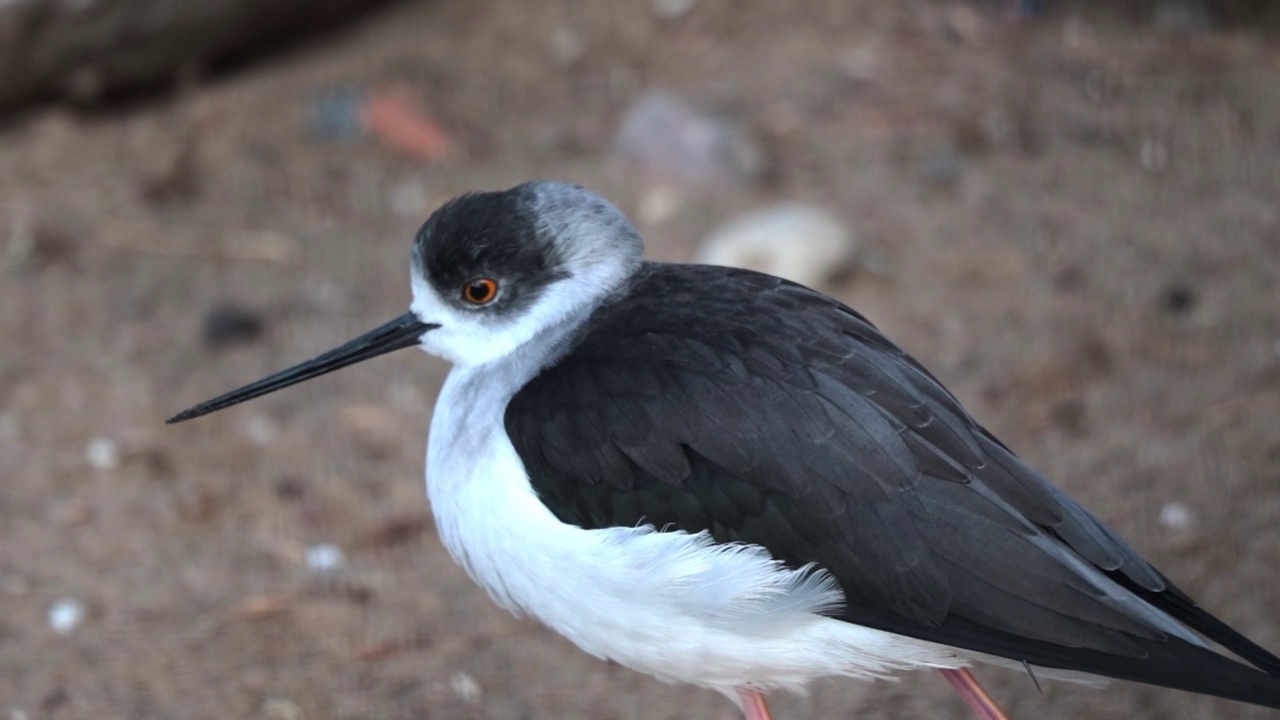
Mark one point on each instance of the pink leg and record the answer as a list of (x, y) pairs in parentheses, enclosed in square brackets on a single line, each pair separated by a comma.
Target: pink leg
[(753, 705), (974, 696)]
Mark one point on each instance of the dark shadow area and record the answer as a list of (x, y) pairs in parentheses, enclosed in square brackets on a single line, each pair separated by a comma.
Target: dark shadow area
[(117, 64)]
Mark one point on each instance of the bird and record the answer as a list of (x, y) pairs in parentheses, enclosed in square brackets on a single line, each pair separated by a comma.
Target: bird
[(722, 478)]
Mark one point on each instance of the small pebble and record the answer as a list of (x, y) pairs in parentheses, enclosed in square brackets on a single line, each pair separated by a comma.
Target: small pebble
[(397, 530), (1177, 516), (940, 168), (230, 325), (1154, 155), (261, 430), (325, 558), (673, 9), (102, 453), (260, 607), (465, 687), (1028, 9), (65, 615), (281, 709), (335, 115), (804, 244), (290, 488), (1183, 16), (1178, 299)]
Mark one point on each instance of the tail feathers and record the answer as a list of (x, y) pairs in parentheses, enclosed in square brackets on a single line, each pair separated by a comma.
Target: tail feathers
[(1171, 662), (1180, 665), (1184, 609)]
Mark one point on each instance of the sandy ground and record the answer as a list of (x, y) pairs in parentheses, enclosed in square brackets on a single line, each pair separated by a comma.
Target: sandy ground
[(1095, 272)]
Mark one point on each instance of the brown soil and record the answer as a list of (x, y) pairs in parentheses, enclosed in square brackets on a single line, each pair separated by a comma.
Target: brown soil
[(1100, 284)]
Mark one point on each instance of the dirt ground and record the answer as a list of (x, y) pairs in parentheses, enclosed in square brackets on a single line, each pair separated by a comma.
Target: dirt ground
[(1095, 271)]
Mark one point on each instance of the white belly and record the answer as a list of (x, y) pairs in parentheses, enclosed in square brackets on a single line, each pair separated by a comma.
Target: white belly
[(673, 605)]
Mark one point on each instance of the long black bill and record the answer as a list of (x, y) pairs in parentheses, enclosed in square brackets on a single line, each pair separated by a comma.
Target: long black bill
[(405, 331)]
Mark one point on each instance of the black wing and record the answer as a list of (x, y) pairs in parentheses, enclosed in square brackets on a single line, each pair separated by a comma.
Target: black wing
[(764, 412)]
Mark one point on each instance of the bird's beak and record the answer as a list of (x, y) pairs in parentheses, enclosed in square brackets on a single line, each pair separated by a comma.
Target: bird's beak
[(405, 331)]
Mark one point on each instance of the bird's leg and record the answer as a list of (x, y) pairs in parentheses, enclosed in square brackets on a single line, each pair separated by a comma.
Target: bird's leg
[(974, 696), (753, 705)]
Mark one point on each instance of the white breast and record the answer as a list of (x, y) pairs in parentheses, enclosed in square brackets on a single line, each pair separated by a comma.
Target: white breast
[(673, 605)]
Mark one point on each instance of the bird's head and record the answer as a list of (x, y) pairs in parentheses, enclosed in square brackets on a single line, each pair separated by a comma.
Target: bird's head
[(490, 272), (493, 270)]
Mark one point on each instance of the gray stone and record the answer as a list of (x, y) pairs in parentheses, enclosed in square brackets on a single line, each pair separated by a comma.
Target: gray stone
[(665, 139), (804, 244)]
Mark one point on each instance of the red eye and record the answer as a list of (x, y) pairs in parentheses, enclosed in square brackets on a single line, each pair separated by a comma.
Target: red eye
[(480, 291)]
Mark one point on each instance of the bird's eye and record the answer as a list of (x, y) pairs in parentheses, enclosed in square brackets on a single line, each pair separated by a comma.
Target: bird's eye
[(480, 291)]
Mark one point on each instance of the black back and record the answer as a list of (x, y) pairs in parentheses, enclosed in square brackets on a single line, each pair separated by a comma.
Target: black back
[(766, 413)]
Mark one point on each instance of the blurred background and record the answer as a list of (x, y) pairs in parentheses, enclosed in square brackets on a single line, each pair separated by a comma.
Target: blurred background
[(1069, 210)]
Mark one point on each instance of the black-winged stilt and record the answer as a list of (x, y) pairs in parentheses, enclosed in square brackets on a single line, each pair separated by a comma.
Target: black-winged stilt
[(722, 478)]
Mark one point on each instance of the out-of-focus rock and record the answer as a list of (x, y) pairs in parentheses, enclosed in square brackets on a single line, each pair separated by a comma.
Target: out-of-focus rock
[(1178, 298), (102, 453), (1028, 9), (465, 687), (673, 9), (398, 529), (1183, 16), (1154, 155), (260, 430), (278, 708), (81, 50), (803, 244), (666, 140), (940, 168), (1177, 516), (226, 325), (324, 558), (65, 615), (335, 114)]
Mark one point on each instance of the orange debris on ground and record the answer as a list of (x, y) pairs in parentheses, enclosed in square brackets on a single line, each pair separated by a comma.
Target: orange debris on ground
[(395, 117)]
